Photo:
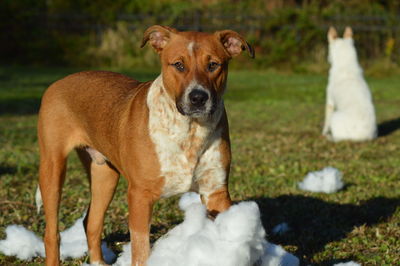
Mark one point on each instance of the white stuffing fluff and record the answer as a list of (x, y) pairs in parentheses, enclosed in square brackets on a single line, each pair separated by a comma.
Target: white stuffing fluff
[(275, 255), (22, 243), (25, 245), (108, 256), (349, 263), (236, 237), (73, 241), (328, 180), (38, 199)]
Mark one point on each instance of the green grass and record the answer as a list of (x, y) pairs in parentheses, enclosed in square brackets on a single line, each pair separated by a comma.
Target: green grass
[(275, 122)]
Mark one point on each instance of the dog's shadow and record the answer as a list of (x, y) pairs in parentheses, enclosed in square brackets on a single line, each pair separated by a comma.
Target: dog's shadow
[(388, 127), (314, 223)]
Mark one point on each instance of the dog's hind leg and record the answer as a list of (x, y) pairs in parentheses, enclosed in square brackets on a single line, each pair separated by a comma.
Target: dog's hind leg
[(329, 109), (103, 181), (52, 175)]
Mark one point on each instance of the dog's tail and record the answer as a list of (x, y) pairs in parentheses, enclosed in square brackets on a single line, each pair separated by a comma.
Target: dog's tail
[(38, 199)]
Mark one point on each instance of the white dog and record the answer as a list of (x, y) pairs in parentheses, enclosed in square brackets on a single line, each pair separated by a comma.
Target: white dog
[(350, 113)]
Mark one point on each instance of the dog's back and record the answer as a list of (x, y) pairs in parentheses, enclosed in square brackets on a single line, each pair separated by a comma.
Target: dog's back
[(74, 107), (87, 89)]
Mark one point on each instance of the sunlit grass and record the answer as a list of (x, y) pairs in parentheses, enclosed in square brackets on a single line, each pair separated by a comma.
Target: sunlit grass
[(275, 122)]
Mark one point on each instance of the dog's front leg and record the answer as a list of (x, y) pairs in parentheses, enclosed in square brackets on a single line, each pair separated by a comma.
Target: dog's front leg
[(218, 201), (140, 204), (212, 176)]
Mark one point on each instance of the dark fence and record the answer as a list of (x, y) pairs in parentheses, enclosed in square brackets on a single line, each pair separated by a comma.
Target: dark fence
[(376, 36), (198, 21)]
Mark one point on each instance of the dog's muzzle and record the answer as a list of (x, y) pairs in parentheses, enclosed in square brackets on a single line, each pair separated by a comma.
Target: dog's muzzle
[(198, 98), (197, 102)]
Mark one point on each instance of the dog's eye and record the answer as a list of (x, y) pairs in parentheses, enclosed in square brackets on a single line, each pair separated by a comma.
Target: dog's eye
[(179, 66), (212, 66)]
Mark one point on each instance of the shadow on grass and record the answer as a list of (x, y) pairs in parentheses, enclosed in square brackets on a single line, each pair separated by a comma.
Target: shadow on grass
[(315, 223), (388, 127), (331, 262), (7, 169)]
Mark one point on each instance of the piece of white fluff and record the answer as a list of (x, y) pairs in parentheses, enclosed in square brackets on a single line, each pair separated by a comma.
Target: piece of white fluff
[(25, 245), (349, 263), (38, 199), (328, 180), (22, 243), (73, 241), (236, 237), (275, 255)]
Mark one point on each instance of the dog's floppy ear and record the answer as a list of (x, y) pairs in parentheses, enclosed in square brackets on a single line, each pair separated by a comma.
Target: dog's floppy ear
[(332, 34), (348, 33), (233, 42), (158, 36)]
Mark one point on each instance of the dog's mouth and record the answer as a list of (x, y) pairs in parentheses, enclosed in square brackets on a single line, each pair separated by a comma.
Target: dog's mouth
[(196, 112)]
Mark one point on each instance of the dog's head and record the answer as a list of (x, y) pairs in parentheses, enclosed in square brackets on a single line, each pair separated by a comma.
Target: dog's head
[(195, 65), (341, 50)]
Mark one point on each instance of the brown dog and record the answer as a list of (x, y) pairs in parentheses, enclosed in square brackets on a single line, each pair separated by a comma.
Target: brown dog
[(165, 137)]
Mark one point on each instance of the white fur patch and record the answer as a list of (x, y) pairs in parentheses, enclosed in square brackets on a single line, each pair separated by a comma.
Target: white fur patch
[(185, 147), (350, 113), (190, 48), (96, 156)]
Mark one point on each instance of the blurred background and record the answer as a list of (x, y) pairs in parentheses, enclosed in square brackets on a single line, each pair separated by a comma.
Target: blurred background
[(286, 34)]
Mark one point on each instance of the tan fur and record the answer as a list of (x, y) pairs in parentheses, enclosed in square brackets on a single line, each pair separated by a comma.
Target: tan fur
[(116, 125)]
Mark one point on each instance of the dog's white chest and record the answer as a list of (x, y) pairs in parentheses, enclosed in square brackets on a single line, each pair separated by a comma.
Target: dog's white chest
[(179, 142)]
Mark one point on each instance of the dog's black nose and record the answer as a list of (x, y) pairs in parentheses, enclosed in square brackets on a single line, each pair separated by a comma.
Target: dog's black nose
[(198, 97)]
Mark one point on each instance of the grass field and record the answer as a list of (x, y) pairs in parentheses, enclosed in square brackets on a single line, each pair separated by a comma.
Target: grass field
[(276, 122)]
